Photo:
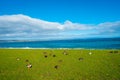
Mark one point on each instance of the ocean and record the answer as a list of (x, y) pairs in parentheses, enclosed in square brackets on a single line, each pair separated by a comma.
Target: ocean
[(100, 43)]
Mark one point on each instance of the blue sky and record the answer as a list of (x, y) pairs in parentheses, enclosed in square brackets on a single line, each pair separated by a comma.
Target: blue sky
[(59, 19)]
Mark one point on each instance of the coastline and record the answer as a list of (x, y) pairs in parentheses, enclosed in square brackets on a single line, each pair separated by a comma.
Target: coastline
[(58, 48)]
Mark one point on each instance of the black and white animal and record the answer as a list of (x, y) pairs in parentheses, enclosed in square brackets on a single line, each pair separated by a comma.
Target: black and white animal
[(29, 65)]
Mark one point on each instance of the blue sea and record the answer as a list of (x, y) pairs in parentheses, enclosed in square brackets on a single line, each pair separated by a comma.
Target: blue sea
[(100, 43)]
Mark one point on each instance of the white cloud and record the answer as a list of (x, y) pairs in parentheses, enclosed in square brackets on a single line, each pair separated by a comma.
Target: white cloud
[(24, 27)]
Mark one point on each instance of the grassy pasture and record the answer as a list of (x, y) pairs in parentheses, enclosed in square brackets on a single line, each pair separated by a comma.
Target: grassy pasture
[(76, 65)]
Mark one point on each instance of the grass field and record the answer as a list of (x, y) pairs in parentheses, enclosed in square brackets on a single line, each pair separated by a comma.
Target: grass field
[(73, 65)]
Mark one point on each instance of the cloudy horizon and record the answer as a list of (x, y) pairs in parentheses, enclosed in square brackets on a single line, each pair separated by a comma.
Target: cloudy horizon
[(23, 27)]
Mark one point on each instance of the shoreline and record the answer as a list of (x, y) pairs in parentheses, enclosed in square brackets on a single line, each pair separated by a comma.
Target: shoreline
[(59, 48)]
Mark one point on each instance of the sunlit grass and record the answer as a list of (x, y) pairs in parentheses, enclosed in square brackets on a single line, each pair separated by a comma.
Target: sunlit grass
[(100, 65)]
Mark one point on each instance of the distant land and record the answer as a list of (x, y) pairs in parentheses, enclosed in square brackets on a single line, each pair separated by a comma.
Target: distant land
[(81, 39)]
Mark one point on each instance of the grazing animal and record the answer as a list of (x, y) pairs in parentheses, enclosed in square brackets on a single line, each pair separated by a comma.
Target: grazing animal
[(56, 66), (45, 56), (65, 52), (111, 52), (54, 55), (26, 60), (80, 59), (115, 51), (29, 66)]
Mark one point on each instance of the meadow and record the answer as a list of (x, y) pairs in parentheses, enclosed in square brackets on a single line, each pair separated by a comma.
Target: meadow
[(59, 64)]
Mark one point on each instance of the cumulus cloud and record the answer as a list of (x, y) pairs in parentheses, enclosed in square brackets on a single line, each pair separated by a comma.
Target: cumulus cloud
[(24, 27)]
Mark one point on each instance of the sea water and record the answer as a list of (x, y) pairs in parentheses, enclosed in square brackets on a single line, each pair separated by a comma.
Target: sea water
[(102, 43)]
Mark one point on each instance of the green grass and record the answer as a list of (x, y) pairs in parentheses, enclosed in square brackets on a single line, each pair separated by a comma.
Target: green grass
[(100, 65)]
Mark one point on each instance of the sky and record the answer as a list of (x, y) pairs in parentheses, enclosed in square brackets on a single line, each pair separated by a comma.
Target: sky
[(59, 19)]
